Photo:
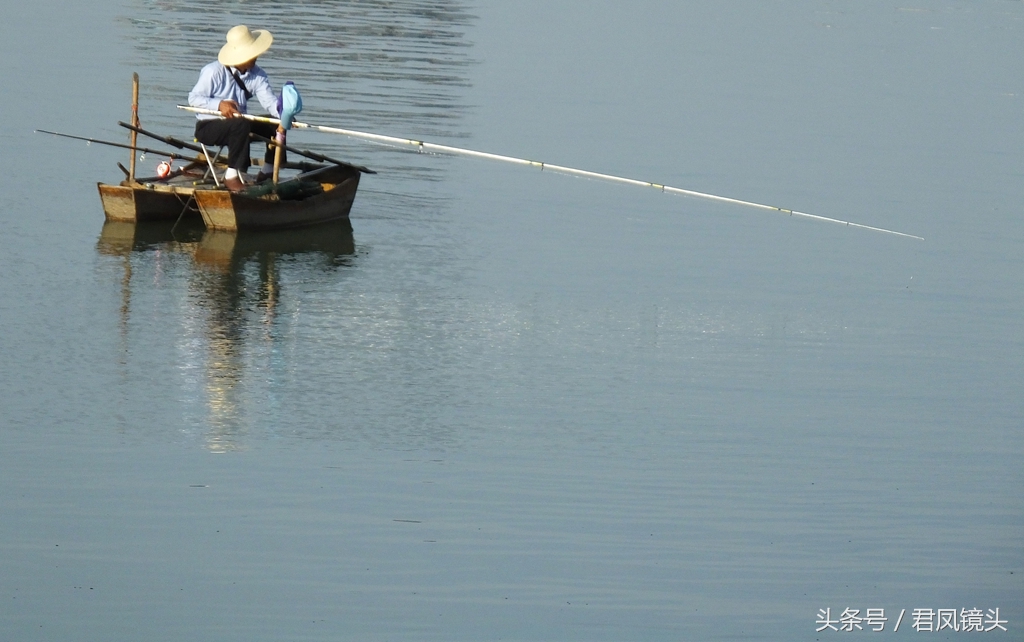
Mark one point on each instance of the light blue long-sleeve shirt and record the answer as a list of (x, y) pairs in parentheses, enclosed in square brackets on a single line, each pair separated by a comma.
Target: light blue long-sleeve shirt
[(216, 84)]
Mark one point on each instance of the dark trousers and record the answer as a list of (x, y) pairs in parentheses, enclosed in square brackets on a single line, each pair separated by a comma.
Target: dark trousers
[(234, 132)]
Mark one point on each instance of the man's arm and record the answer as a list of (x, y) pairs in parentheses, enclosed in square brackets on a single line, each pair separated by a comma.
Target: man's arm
[(265, 94), (202, 95)]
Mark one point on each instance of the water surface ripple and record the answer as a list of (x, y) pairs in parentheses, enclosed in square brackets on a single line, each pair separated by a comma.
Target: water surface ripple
[(507, 404)]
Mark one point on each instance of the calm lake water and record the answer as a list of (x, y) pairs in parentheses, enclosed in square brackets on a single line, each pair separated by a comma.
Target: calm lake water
[(512, 404)]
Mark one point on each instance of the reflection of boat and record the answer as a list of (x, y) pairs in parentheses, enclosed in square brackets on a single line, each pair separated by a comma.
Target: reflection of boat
[(231, 286), (119, 238), (225, 250), (220, 248)]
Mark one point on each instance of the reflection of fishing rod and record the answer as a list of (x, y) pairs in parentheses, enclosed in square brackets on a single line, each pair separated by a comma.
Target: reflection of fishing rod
[(136, 148), (445, 149)]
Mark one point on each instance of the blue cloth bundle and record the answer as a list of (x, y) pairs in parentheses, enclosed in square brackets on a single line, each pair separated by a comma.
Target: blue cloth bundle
[(290, 104)]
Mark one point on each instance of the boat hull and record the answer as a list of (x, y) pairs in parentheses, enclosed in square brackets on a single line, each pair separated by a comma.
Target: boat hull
[(139, 204), (224, 210)]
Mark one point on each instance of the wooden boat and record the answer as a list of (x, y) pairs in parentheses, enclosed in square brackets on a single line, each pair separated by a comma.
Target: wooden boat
[(319, 193), (295, 203)]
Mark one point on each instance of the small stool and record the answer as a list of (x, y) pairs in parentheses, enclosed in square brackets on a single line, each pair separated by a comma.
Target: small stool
[(210, 163)]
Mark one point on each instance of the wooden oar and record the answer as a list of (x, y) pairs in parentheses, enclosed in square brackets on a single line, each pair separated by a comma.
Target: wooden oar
[(446, 149)]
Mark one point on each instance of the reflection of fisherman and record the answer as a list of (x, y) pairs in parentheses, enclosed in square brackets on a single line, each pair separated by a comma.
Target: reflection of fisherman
[(226, 86)]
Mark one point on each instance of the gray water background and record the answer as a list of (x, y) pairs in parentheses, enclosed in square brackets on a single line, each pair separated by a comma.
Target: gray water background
[(524, 406)]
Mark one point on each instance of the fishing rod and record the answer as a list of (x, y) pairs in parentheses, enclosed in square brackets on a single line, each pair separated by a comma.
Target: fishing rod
[(136, 148), (313, 155), (425, 146), (169, 140)]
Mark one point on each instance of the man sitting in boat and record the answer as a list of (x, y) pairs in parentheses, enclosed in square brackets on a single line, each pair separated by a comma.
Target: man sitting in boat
[(226, 86)]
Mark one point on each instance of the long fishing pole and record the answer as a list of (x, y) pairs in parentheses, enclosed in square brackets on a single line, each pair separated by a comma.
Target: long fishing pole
[(145, 150), (425, 146)]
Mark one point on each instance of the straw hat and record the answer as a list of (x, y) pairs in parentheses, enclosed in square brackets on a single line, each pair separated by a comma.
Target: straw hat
[(244, 45)]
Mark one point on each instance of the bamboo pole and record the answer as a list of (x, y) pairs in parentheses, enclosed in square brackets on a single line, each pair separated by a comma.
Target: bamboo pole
[(135, 122), (278, 152)]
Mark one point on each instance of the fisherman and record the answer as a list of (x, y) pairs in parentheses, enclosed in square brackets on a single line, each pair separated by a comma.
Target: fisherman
[(226, 86)]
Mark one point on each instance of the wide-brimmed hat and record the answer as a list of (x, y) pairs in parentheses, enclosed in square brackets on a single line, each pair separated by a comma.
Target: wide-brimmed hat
[(244, 45)]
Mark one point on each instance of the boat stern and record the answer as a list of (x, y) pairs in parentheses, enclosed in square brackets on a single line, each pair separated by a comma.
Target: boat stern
[(137, 203), (217, 209)]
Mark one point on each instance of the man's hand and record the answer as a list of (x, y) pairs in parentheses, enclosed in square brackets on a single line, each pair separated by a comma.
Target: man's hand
[(228, 109)]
